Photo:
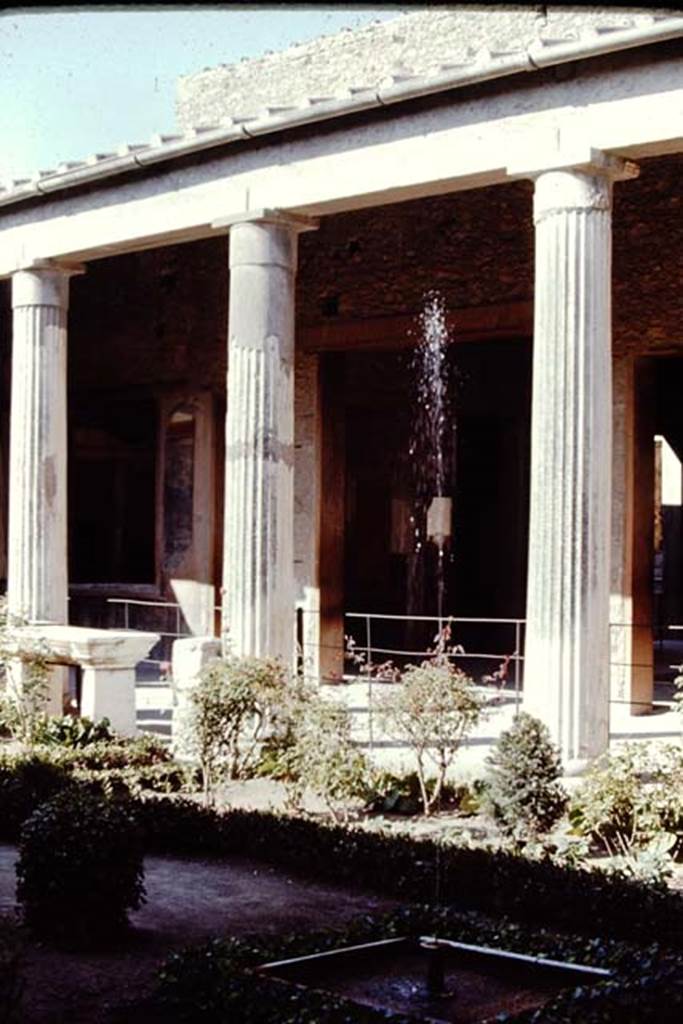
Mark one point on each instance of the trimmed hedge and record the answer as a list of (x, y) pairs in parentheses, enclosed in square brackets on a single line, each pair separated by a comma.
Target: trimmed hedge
[(399, 866), (25, 783), (496, 882), (215, 983), (125, 769), (80, 868)]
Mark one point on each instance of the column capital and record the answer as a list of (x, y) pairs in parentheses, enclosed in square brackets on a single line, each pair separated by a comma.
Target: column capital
[(576, 159), (298, 222), (265, 238), (43, 283)]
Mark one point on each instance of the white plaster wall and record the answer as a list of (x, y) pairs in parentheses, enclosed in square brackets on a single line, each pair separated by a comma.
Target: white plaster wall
[(419, 42)]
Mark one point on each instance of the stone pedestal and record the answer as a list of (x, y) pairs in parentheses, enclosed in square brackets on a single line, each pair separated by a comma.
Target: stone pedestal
[(108, 692), (259, 593), (107, 658), (566, 671), (189, 658)]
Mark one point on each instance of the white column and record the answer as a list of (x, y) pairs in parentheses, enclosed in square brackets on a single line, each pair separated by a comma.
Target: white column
[(566, 674), (37, 565), (259, 593)]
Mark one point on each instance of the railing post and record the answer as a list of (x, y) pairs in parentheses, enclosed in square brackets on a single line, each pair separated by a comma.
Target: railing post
[(518, 647), (371, 738)]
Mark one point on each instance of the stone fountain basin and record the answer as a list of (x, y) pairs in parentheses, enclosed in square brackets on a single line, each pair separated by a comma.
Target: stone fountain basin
[(84, 645), (478, 982)]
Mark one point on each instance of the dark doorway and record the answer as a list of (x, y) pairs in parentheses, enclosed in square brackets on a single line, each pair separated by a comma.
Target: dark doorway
[(485, 557), (112, 491)]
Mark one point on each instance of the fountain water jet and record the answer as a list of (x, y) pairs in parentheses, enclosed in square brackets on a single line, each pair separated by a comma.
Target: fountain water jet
[(432, 447)]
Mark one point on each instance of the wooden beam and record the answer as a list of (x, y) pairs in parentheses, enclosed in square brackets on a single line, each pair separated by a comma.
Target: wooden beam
[(511, 320)]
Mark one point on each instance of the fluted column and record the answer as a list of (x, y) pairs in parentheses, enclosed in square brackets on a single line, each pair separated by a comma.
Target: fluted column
[(37, 566), (566, 674), (259, 592)]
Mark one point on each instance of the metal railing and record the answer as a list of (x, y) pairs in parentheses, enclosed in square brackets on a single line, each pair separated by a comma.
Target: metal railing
[(375, 659), (374, 641)]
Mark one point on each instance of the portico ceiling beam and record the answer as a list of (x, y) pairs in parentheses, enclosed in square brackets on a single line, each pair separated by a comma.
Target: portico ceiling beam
[(426, 154)]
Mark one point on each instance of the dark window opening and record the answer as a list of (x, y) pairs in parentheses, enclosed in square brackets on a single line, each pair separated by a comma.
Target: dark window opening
[(112, 491)]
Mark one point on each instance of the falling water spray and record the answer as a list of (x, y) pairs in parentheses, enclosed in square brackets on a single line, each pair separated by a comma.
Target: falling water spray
[(431, 445)]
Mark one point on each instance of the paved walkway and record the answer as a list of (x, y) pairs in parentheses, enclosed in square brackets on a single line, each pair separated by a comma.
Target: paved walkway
[(188, 901)]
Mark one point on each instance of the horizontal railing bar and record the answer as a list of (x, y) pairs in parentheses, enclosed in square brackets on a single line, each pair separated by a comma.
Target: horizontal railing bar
[(446, 619), (135, 600), (431, 654)]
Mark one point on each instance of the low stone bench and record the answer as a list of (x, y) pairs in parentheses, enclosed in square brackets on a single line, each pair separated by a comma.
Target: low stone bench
[(107, 658)]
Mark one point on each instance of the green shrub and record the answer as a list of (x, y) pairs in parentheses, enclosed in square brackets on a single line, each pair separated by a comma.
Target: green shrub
[(22, 695), (322, 756), (101, 755), (631, 802), (523, 789), (126, 768), (400, 794), (72, 731), (235, 703), (431, 710), (80, 868), (26, 781)]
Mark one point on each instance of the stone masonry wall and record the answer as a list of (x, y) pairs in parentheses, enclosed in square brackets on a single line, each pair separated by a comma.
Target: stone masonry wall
[(418, 42)]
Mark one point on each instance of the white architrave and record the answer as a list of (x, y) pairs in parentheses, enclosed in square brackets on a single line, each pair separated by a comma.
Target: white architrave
[(37, 584), (258, 564), (566, 675)]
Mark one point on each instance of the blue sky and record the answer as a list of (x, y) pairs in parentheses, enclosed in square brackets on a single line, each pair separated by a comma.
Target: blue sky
[(74, 81)]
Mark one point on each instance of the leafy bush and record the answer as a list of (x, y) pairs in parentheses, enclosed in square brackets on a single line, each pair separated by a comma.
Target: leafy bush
[(72, 731), (431, 710), (80, 868), (632, 803), (322, 756), (23, 694), (102, 755), (400, 794), (125, 768), (524, 793), (235, 703), (26, 781)]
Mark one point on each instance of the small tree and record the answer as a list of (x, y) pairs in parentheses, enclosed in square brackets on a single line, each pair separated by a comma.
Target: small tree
[(524, 791), (432, 710), (234, 703)]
